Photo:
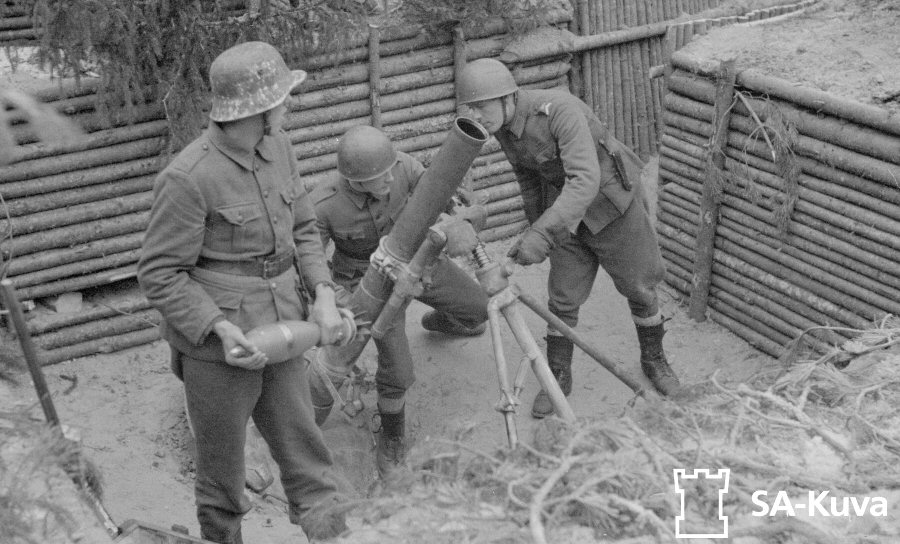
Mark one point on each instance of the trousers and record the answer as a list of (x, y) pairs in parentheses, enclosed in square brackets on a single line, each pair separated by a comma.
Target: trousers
[(453, 292), (627, 249), (220, 400)]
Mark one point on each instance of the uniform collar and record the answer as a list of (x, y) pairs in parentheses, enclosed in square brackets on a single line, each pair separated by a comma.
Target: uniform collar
[(241, 155), (355, 196), (523, 106)]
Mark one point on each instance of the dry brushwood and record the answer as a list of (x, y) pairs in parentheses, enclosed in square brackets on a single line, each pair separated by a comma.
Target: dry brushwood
[(613, 477)]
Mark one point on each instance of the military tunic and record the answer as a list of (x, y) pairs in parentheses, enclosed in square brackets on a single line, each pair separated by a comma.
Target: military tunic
[(564, 159), (355, 222), (217, 202)]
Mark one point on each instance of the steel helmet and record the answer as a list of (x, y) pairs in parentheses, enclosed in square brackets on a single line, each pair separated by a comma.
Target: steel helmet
[(483, 79), (365, 153), (249, 78)]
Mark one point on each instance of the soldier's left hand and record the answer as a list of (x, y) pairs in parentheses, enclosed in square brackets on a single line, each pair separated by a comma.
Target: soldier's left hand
[(325, 314), (461, 237), (531, 248)]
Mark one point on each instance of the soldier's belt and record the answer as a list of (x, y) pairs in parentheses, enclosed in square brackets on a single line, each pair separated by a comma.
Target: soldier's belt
[(263, 267)]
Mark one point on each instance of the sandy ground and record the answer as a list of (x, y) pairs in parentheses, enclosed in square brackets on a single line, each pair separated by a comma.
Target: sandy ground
[(128, 407)]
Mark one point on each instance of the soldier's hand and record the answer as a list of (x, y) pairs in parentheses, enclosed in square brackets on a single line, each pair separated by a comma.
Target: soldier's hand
[(531, 248), (461, 237), (325, 315), (239, 351)]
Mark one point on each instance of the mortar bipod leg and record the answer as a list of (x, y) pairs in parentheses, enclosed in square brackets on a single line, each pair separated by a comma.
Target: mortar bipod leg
[(538, 363), (508, 400)]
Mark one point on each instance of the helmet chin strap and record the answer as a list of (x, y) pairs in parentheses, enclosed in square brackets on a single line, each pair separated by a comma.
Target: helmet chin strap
[(507, 119)]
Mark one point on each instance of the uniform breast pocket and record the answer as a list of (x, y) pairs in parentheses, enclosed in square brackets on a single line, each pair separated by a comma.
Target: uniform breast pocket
[(545, 153), (240, 226)]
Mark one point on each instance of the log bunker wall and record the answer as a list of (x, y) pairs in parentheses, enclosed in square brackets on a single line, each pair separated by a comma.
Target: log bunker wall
[(799, 197), (75, 215)]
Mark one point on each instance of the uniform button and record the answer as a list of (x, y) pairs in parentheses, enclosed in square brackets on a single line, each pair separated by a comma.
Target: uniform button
[(256, 167), (274, 219), (274, 285), (266, 194), (205, 147), (240, 216)]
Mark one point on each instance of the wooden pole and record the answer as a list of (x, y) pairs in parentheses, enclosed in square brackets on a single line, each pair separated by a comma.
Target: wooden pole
[(584, 22), (374, 75), (709, 208)]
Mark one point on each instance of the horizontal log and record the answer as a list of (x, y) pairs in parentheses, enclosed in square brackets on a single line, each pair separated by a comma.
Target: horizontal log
[(81, 178), (505, 205), (755, 153), (395, 132), (108, 344), (818, 189), (81, 195), (330, 96), (420, 60), (44, 323), (686, 123), (694, 116), (412, 113), (725, 277), (488, 156), (504, 219), (699, 88), (807, 226), (487, 182), (789, 266), (687, 159), (820, 101), (839, 258), (839, 132), (764, 274), (881, 197), (148, 147), (101, 138), (52, 219), (747, 334), (73, 234), (53, 258), (295, 121), (851, 217), (502, 232), (480, 28), (77, 268), (499, 192), (77, 283), (763, 309), (766, 322), (92, 330)]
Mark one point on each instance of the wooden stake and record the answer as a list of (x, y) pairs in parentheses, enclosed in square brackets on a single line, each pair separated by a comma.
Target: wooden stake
[(709, 208)]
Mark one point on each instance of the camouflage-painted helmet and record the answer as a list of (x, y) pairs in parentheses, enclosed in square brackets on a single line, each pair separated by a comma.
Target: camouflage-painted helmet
[(365, 153), (249, 78), (483, 79)]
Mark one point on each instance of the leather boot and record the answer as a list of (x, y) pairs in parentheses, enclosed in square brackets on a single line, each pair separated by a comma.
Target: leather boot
[(324, 521), (390, 451), (441, 322), (653, 359), (559, 357)]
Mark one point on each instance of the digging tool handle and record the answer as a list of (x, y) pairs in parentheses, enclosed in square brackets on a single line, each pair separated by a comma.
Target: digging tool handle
[(11, 302)]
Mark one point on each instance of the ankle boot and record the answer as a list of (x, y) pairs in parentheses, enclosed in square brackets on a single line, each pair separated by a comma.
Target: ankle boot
[(447, 324), (390, 451), (653, 359), (559, 357)]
